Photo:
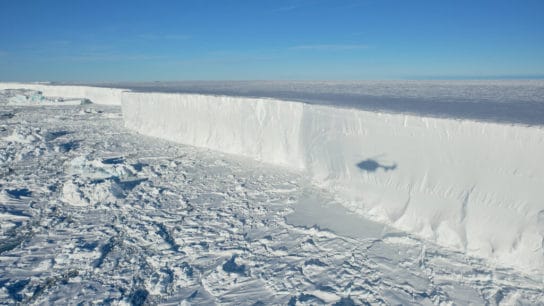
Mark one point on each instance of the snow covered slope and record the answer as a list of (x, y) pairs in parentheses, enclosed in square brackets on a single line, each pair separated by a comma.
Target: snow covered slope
[(109, 96), (472, 186)]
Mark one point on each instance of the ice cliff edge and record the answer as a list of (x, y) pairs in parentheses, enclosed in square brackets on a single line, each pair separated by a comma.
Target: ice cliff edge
[(473, 186)]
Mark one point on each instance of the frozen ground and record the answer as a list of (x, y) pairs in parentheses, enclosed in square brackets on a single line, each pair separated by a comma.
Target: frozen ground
[(91, 212)]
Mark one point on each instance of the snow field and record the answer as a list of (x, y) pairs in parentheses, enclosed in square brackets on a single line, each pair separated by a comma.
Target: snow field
[(471, 186), (93, 212), (108, 96), (25, 97)]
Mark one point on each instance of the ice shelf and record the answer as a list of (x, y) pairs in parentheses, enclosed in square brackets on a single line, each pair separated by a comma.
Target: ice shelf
[(473, 186), (99, 95)]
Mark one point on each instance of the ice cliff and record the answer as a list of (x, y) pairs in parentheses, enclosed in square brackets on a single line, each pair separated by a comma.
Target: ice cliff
[(477, 187), (472, 186)]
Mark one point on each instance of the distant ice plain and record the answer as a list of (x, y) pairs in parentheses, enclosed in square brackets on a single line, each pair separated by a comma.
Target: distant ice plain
[(502, 101)]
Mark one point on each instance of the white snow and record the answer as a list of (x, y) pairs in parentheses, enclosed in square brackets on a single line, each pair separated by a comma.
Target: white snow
[(263, 129), (475, 187), (108, 96), (36, 98), (472, 186), (506, 101), (91, 211)]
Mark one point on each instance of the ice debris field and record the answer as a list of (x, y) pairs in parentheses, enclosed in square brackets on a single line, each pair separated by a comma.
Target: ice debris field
[(245, 196)]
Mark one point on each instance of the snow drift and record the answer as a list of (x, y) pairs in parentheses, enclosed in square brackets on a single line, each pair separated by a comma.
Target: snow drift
[(472, 186), (109, 96)]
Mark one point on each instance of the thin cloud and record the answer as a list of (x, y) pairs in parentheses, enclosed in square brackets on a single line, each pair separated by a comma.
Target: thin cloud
[(164, 37), (227, 56), (109, 57), (353, 5), (301, 4), (330, 47), (285, 8)]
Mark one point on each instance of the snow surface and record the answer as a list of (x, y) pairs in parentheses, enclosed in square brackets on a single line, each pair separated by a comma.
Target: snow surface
[(507, 101), (469, 185), (34, 97), (91, 212), (108, 96), (472, 186)]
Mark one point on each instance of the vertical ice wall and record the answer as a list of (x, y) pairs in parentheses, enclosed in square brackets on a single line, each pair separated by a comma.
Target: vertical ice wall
[(472, 186), (476, 187), (99, 95), (262, 129)]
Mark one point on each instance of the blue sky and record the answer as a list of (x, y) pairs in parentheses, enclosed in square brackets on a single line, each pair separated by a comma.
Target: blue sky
[(78, 40)]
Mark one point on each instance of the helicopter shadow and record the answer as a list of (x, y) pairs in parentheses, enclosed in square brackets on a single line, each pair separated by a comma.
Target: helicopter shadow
[(372, 165)]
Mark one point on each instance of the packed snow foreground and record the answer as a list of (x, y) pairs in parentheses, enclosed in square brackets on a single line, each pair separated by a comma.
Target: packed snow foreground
[(470, 186)]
